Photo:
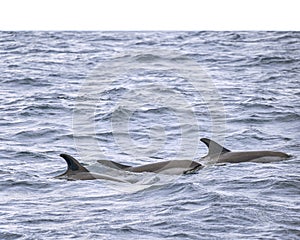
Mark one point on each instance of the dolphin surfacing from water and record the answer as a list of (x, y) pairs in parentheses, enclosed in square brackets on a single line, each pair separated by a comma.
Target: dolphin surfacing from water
[(220, 154), (76, 171), (172, 167)]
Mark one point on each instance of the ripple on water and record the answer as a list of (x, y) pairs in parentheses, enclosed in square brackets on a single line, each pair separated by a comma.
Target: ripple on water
[(256, 74)]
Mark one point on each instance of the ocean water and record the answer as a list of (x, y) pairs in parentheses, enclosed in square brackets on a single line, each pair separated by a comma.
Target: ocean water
[(141, 97)]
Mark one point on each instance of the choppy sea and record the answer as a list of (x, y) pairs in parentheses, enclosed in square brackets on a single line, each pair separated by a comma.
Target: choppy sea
[(143, 97)]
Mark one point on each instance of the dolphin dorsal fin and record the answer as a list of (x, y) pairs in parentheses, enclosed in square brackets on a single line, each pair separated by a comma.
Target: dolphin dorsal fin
[(113, 164), (73, 164), (213, 147)]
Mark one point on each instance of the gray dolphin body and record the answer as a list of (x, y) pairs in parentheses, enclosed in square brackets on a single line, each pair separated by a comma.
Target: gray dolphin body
[(76, 171), (165, 167), (219, 154)]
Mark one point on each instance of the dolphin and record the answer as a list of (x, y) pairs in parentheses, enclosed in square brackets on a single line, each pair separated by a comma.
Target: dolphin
[(220, 154), (76, 171), (171, 167)]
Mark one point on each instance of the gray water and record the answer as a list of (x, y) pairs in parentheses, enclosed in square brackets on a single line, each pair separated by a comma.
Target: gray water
[(43, 84)]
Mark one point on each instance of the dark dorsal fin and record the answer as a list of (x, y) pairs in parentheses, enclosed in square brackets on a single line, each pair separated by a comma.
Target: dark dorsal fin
[(213, 147), (113, 164), (73, 164)]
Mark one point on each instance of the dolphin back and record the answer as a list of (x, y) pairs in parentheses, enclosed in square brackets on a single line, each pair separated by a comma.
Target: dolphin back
[(113, 164), (73, 164), (213, 147)]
